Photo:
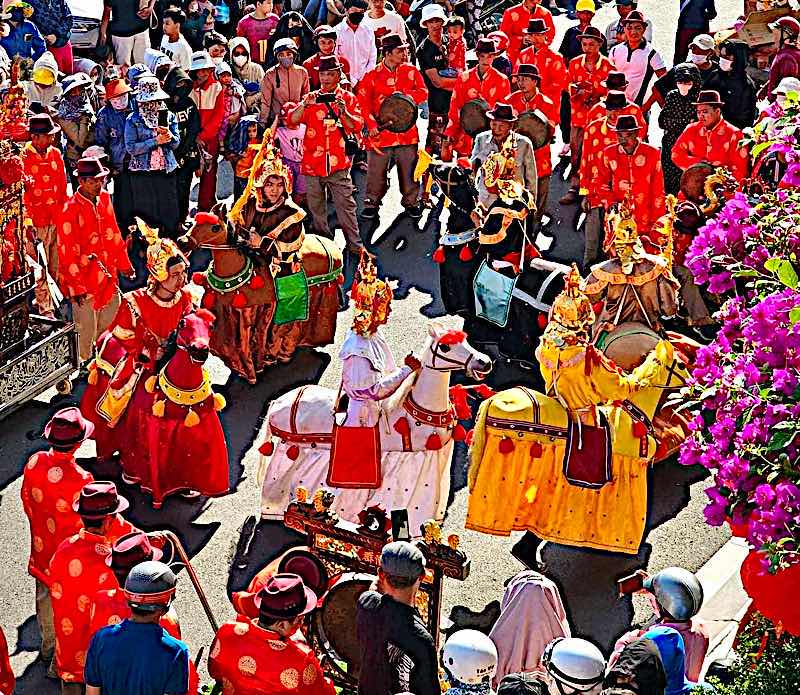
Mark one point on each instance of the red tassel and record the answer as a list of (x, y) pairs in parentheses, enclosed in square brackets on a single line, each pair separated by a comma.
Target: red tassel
[(469, 438), (541, 319), (464, 163), (506, 446), (639, 430), (293, 451), (536, 450), (208, 300), (239, 302), (438, 255), (459, 433), (401, 426), (484, 391), (199, 279), (466, 254), (434, 442), (257, 282), (458, 396), (266, 448), (340, 279)]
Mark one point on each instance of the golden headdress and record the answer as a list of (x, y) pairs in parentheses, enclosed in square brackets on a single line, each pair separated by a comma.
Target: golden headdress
[(500, 172), (572, 314), (371, 297), (623, 237), (159, 251)]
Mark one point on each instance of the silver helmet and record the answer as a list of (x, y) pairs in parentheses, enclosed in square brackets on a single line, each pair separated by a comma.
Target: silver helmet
[(677, 591), (576, 665), (470, 657)]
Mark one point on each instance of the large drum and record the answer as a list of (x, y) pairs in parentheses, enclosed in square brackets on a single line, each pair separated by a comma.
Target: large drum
[(693, 180), (397, 114), (335, 622), (628, 344), (535, 126), (473, 117)]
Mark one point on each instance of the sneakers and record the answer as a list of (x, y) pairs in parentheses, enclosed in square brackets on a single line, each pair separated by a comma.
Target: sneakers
[(415, 212), (369, 212), (570, 197)]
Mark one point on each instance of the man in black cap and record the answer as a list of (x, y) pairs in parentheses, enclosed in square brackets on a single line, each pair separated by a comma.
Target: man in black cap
[(637, 58), (615, 31), (397, 651)]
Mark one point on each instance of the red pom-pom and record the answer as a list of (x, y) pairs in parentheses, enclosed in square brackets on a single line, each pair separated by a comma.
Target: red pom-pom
[(459, 433), (598, 308), (506, 446), (469, 438), (206, 218), (434, 442), (293, 451), (239, 301), (536, 450), (463, 162), (541, 319), (466, 254), (401, 426), (266, 448), (257, 282), (340, 279), (199, 279), (208, 300), (438, 255), (484, 391), (639, 430), (458, 396)]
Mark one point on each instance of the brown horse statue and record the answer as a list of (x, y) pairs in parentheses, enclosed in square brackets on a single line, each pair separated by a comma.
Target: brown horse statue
[(240, 291)]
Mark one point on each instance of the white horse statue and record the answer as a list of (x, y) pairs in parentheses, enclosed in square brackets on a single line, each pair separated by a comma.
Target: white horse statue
[(416, 426)]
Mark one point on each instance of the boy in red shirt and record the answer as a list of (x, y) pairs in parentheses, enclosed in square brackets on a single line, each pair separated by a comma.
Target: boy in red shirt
[(257, 27)]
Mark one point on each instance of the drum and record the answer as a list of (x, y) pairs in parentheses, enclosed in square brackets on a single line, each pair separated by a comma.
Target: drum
[(335, 622), (397, 114), (473, 117), (535, 126), (693, 179), (628, 344)]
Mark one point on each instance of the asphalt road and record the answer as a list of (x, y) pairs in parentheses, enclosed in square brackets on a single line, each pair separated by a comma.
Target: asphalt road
[(228, 545)]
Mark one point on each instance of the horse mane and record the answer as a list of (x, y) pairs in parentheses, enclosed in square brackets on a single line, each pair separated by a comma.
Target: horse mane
[(452, 337), (170, 348)]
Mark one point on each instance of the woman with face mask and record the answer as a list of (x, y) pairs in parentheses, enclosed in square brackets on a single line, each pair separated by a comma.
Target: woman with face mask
[(76, 118), (283, 82), (678, 112), (735, 86), (292, 25), (246, 71)]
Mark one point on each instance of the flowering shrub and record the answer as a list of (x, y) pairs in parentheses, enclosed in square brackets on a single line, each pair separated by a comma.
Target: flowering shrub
[(746, 384)]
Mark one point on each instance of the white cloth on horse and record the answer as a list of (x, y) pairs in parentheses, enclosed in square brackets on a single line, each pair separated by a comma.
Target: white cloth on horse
[(369, 374)]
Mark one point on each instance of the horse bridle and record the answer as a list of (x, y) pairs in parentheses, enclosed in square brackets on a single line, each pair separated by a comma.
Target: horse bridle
[(449, 186), (451, 365)]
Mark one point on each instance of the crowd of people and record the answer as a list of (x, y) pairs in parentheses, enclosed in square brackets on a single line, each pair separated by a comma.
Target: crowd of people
[(118, 144)]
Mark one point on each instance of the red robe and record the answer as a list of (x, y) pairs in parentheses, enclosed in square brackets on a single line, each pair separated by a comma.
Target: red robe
[(540, 102), (77, 571), (551, 67), (7, 681), (515, 22), (718, 146), (585, 86)]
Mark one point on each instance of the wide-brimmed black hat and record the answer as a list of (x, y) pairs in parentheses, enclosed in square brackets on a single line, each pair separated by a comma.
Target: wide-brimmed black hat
[(626, 123), (710, 97), (68, 427), (615, 100), (502, 112), (99, 500), (615, 80), (392, 41), (592, 33), (527, 70), (635, 16), (284, 597), (329, 63), (487, 46), (535, 26), (90, 168), (42, 124)]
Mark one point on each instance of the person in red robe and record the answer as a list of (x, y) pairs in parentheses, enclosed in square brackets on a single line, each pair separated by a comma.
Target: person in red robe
[(515, 21), (78, 570), (7, 680), (545, 59)]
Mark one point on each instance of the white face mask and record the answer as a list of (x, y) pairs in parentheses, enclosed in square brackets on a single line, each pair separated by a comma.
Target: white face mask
[(119, 103), (725, 64), (684, 88), (697, 58), (240, 60), (217, 60)]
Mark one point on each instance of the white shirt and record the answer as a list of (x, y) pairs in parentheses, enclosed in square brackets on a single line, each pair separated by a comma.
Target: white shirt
[(358, 47), (634, 64), (616, 27), (179, 52), (390, 23)]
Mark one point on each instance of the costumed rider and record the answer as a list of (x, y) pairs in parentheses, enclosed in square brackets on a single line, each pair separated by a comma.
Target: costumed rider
[(469, 659), (633, 285), (574, 665), (272, 223)]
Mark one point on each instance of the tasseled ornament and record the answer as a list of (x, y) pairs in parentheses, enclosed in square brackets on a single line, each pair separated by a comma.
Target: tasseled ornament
[(293, 452), (158, 408), (401, 426), (639, 430), (458, 396), (536, 450), (466, 254), (239, 301), (469, 438), (267, 448), (219, 402), (199, 279), (340, 279), (208, 300), (92, 378), (433, 443), (191, 419), (459, 433), (506, 446), (541, 319), (438, 255), (150, 384), (484, 391), (257, 282)]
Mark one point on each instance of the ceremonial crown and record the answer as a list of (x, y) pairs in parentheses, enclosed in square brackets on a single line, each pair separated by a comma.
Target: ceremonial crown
[(624, 237), (371, 296), (159, 251), (500, 172), (270, 164), (572, 311)]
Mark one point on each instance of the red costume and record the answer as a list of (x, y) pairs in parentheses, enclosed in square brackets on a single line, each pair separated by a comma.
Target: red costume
[(540, 102), (78, 570), (47, 192), (249, 660), (492, 88), (378, 84), (7, 681), (718, 146), (312, 68), (636, 176), (551, 67), (210, 101), (51, 482), (110, 607), (590, 77), (515, 22)]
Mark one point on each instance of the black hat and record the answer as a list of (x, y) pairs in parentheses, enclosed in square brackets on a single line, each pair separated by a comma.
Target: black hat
[(99, 500), (487, 46), (284, 597), (711, 97), (527, 70), (615, 100), (626, 123), (615, 80), (329, 63), (688, 217), (391, 41), (635, 16), (68, 426), (150, 586), (522, 684), (90, 168), (536, 26), (592, 33), (358, 4), (325, 30), (502, 112)]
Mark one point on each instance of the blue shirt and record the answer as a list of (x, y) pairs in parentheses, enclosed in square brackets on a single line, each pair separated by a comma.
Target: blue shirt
[(109, 133), (24, 40), (137, 659)]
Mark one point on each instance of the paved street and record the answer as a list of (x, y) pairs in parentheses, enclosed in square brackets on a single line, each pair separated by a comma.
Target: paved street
[(226, 543)]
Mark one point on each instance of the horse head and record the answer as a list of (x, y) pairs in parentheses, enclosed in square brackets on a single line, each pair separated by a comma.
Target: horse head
[(210, 230), (455, 180), (447, 350), (194, 334)]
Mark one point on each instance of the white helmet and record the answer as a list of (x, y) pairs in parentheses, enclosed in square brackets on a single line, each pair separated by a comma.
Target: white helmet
[(575, 663), (470, 657)]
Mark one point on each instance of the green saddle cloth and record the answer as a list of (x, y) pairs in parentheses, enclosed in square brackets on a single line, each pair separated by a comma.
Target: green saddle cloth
[(291, 292)]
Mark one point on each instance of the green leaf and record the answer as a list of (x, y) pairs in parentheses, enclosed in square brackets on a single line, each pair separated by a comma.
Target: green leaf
[(772, 264), (759, 148), (794, 315), (746, 273), (788, 275)]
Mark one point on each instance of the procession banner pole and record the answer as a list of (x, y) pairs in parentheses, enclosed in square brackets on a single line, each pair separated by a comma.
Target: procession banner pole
[(193, 576)]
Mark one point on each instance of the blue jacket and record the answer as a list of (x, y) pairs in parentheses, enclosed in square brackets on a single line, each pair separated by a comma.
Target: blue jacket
[(109, 133), (24, 40), (52, 17), (141, 140), (697, 14)]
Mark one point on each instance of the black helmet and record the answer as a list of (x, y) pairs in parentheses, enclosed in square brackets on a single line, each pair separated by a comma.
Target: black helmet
[(150, 586)]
